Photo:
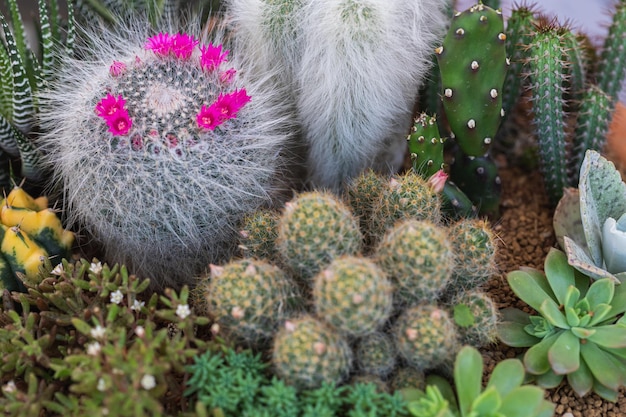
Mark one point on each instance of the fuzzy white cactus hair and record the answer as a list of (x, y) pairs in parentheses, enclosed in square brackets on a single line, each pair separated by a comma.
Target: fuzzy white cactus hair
[(166, 197), (355, 68)]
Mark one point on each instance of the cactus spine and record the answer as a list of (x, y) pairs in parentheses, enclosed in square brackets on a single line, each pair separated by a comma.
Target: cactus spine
[(426, 145), (474, 246), (611, 72), (476, 317), (375, 354)]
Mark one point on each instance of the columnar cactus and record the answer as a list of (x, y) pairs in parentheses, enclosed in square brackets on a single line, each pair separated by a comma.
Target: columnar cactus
[(473, 109), (315, 228), (353, 295), (162, 146), (308, 352), (417, 256), (248, 299), (426, 336)]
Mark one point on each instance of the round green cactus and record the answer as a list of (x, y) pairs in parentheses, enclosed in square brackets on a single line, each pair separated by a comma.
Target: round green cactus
[(405, 197), (258, 235), (362, 194), (407, 377), (315, 228), (426, 336), (474, 245), (248, 299), (476, 316), (418, 258), (375, 354), (353, 294), (308, 352)]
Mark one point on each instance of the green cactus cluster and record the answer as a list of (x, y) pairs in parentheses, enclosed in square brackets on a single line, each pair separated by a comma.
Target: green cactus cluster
[(389, 300)]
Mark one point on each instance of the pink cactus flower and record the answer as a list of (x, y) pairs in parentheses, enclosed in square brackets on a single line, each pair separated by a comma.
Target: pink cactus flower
[(212, 56), (228, 76), (209, 118), (438, 181), (182, 45), (117, 68), (109, 105), (119, 123), (229, 104), (160, 44)]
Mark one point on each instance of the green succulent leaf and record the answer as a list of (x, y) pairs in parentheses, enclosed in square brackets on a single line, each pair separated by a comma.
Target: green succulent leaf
[(572, 316), (564, 355), (536, 357), (522, 402), (468, 370), (582, 333), (581, 380), (515, 315), (549, 379), (463, 316), (571, 297), (605, 392), (551, 312), (606, 368), (600, 292), (514, 334), (619, 300), (507, 376), (610, 336), (530, 288), (559, 274), (444, 387), (487, 403)]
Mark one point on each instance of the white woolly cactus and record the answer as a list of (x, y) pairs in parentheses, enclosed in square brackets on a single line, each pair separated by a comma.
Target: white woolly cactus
[(162, 146), (355, 68)]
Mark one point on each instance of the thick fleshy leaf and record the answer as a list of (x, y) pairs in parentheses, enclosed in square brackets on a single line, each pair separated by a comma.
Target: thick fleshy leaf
[(572, 297), (549, 380), (606, 368), (528, 288), (540, 279), (522, 402), (566, 220), (572, 317), (582, 333), (536, 357), (602, 312), (564, 355), (546, 409), (513, 334), (605, 392), (612, 336), (551, 312), (582, 282), (619, 299), (602, 195), (468, 372), (601, 292), (581, 380), (515, 315), (444, 387), (579, 259), (506, 376), (559, 273), (487, 403)]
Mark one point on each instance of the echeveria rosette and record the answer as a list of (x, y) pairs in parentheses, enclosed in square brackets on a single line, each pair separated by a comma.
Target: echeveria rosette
[(596, 250), (577, 332), (504, 396)]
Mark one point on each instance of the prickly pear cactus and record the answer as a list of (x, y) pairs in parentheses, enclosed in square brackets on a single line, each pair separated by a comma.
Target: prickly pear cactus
[(477, 177), (426, 145), (30, 233), (472, 76), (248, 299), (426, 336), (307, 352), (417, 256), (315, 228), (353, 295)]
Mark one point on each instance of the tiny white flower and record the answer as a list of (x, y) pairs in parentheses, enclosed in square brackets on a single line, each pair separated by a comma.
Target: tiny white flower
[(183, 311), (95, 267), (93, 348), (97, 332), (101, 385), (137, 305), (140, 331), (117, 297), (148, 382), (58, 270), (9, 387)]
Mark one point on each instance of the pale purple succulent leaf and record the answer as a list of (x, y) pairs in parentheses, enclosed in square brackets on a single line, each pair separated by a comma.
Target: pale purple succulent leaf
[(566, 220), (579, 258)]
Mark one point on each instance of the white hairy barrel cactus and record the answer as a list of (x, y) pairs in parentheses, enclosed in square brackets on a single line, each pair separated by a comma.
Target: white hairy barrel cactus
[(354, 68), (162, 144)]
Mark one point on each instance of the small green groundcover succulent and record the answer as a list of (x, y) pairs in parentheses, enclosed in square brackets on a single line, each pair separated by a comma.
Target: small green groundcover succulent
[(578, 333), (504, 396)]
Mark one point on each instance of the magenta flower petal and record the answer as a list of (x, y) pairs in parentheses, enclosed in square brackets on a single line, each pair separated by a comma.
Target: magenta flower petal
[(209, 117), (229, 104), (182, 45), (109, 105), (160, 44), (119, 123), (212, 56), (117, 68)]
